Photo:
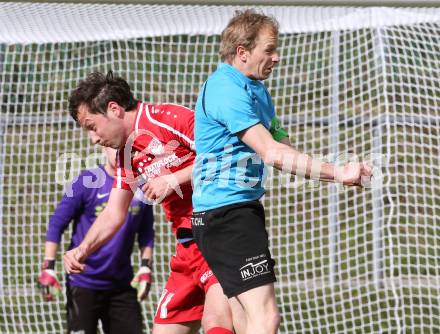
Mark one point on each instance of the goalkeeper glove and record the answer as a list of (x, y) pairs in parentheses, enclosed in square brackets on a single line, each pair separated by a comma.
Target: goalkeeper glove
[(142, 280), (48, 282)]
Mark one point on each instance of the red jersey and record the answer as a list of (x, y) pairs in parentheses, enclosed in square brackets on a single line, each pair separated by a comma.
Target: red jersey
[(161, 143)]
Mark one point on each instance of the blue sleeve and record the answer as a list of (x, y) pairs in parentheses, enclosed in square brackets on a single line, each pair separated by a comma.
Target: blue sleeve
[(146, 231), (67, 209), (234, 106)]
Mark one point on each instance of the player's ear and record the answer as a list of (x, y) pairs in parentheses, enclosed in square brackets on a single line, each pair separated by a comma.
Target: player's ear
[(242, 53), (115, 109)]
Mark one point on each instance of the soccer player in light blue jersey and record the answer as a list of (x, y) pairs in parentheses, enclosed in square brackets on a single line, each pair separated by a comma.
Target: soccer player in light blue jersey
[(236, 132)]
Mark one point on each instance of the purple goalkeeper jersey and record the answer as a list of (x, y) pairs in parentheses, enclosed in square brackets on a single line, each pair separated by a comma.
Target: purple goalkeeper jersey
[(108, 267)]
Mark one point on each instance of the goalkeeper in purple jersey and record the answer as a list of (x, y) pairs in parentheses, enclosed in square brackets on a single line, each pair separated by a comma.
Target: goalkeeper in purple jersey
[(103, 291)]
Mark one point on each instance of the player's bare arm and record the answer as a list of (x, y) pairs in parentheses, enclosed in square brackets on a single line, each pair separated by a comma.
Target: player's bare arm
[(106, 225), (288, 159)]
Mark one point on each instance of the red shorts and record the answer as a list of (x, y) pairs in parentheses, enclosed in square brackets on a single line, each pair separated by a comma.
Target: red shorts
[(183, 297)]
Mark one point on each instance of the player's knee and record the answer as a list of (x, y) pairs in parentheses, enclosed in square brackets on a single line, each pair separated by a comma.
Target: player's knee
[(275, 320), (272, 320), (269, 323)]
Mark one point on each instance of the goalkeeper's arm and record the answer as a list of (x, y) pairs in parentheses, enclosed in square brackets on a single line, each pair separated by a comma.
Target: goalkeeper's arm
[(47, 280), (144, 277), (60, 220)]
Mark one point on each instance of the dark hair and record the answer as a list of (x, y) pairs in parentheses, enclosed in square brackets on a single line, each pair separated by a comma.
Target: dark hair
[(243, 30), (97, 90)]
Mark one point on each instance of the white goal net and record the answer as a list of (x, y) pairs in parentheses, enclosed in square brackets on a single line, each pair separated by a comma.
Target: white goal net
[(351, 81)]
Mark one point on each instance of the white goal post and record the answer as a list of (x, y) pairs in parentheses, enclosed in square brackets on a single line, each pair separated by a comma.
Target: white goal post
[(352, 82)]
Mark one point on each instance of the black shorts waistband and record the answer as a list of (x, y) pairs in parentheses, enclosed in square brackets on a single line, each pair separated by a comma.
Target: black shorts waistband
[(231, 206)]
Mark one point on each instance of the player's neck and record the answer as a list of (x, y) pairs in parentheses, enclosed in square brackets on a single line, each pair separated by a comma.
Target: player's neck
[(109, 169), (240, 66), (129, 119)]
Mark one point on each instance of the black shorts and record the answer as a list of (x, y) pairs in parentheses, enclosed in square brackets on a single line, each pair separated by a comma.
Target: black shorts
[(234, 241), (117, 309)]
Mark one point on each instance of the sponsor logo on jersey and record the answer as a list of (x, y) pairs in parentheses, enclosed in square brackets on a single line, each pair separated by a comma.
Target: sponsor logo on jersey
[(101, 196), (155, 146), (157, 160), (155, 168), (252, 270)]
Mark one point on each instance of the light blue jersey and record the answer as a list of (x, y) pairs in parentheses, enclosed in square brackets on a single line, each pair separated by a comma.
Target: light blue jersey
[(226, 170)]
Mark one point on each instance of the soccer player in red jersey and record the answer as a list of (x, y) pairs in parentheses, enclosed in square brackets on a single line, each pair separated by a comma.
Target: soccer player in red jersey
[(156, 152)]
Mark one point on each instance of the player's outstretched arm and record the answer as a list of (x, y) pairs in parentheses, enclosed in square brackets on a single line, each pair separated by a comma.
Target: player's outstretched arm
[(288, 159), (105, 226)]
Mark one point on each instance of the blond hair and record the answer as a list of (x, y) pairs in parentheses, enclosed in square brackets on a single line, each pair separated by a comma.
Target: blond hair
[(243, 30)]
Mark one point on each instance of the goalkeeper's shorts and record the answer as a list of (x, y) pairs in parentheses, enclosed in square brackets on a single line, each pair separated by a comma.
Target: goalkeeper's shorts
[(234, 241), (183, 297)]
